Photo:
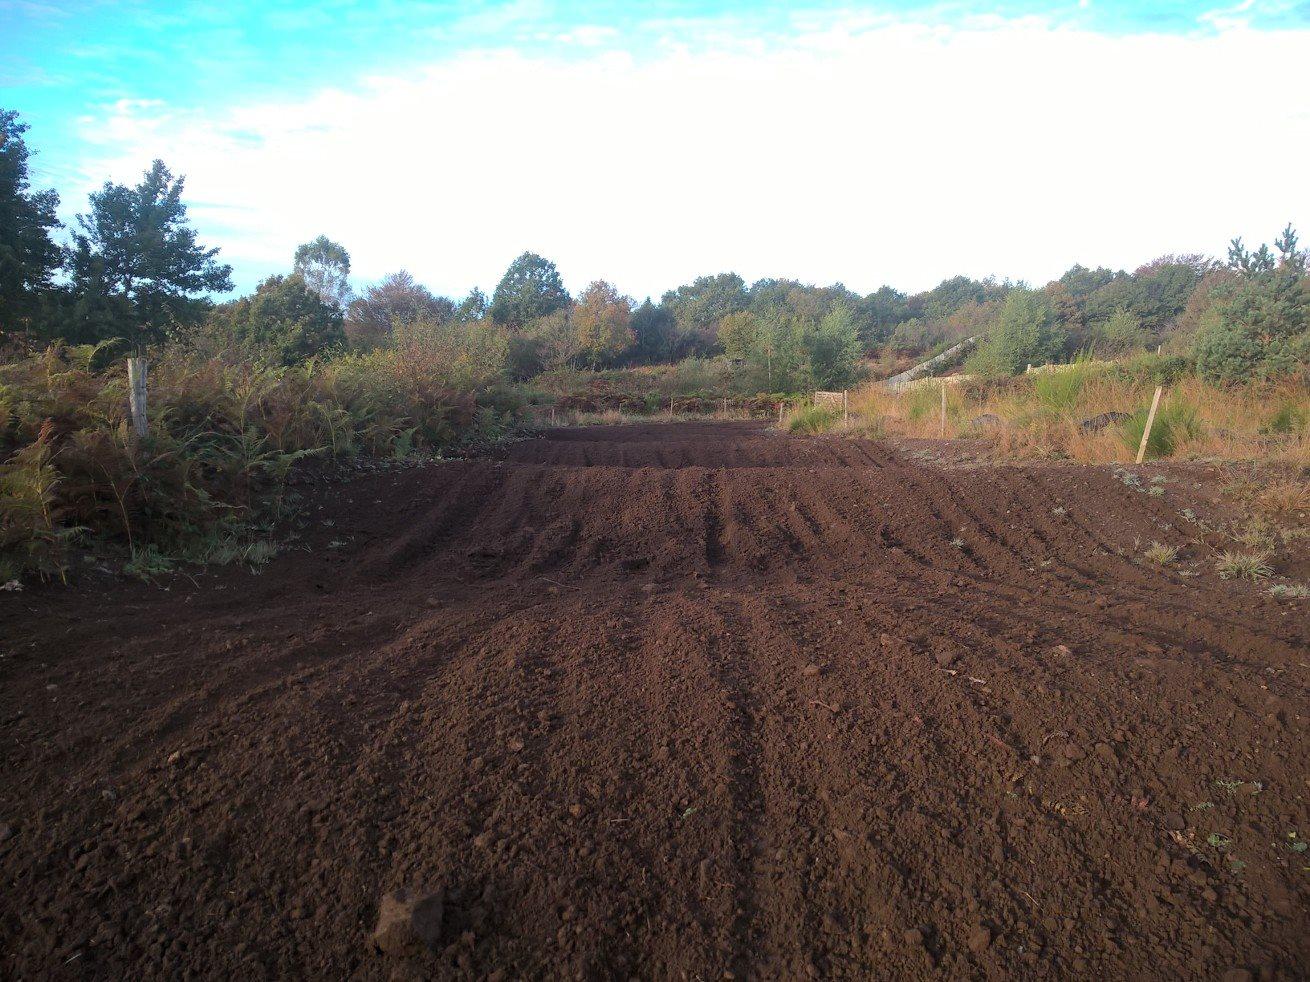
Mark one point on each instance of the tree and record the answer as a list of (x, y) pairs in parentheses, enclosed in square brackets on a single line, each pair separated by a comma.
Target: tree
[(1121, 334), (325, 267), (284, 320), (653, 330), (835, 349), (1025, 333), (28, 255), (396, 299), (1258, 326), (530, 288), (135, 265), (600, 319), (472, 308), (698, 306), (739, 333)]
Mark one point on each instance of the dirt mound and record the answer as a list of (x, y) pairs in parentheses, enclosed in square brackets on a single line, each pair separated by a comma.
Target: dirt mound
[(668, 701)]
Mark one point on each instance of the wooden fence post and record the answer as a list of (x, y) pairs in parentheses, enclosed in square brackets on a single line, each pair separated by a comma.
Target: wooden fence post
[(845, 407), (1150, 421), (136, 395), (552, 415), (943, 428)]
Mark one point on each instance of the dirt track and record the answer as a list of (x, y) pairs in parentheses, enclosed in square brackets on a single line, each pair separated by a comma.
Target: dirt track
[(570, 689)]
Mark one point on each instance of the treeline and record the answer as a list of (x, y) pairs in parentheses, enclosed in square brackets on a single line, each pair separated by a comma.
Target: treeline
[(132, 269)]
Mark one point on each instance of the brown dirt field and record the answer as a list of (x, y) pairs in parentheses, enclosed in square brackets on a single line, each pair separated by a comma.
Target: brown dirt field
[(571, 689)]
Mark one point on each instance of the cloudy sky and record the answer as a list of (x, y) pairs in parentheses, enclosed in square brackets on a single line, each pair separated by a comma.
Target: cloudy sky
[(646, 144)]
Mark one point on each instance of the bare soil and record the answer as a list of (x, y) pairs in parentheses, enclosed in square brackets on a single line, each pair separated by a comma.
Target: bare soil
[(670, 702)]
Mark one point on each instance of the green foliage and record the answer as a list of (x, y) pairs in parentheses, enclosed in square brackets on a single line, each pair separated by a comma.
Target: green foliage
[(1175, 422), (1025, 333), (531, 288), (1059, 391), (738, 334), (1121, 334), (325, 267), (135, 265), (29, 256), (1289, 417), (1150, 367), (834, 348), (600, 320), (284, 321), (697, 307), (812, 419), (654, 332), (1258, 329)]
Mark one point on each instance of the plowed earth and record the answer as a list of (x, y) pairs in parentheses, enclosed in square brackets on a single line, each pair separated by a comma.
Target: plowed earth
[(669, 702)]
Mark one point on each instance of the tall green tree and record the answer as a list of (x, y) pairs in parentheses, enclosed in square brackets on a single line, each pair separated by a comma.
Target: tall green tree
[(835, 348), (653, 330), (136, 268), (530, 288), (1025, 333), (1258, 325), (325, 267), (700, 305), (28, 255)]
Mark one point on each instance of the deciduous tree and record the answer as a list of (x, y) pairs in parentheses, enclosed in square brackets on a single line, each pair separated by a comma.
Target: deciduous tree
[(530, 288)]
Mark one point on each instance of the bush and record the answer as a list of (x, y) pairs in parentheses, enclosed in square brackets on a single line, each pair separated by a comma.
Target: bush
[(1175, 423), (812, 419), (1025, 334)]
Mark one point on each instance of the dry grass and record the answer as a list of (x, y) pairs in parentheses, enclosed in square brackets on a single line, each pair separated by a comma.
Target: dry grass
[(1160, 554), (1040, 416), (1244, 565)]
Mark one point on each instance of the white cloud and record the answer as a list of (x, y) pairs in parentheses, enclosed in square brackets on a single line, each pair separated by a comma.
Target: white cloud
[(865, 152)]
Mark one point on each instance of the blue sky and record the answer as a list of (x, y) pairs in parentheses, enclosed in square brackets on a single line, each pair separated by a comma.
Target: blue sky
[(264, 104)]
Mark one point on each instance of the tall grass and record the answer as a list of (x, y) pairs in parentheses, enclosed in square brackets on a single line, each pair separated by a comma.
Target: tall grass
[(1042, 415)]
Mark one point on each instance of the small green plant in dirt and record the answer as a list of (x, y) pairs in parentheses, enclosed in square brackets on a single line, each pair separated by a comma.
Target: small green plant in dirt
[(1160, 554), (812, 419), (1218, 841), (1233, 565)]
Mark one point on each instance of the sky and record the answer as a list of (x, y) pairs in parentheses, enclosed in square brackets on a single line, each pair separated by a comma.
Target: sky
[(647, 144)]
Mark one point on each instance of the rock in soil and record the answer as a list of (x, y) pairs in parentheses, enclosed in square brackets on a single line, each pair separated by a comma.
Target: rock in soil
[(409, 922)]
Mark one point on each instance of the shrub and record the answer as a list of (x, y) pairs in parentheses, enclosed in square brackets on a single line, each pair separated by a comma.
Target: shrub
[(1025, 333), (1175, 423)]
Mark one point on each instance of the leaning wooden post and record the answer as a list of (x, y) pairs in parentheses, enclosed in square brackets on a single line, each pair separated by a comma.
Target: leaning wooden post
[(1150, 421), (943, 429), (136, 395)]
